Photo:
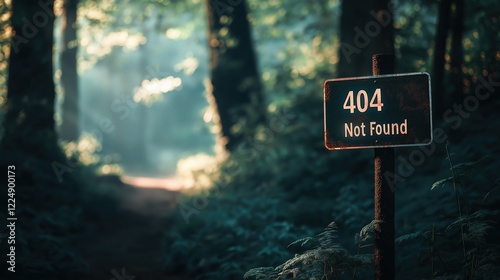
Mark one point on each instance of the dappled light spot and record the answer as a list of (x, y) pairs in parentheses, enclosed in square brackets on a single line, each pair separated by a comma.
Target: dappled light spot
[(208, 116), (173, 33), (111, 169), (188, 65), (151, 88), (198, 171), (214, 43), (85, 149)]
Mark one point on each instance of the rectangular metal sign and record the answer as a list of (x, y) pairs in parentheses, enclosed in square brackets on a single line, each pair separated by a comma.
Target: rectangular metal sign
[(378, 111)]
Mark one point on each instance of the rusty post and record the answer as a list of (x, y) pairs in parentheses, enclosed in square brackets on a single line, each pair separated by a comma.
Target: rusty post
[(384, 255)]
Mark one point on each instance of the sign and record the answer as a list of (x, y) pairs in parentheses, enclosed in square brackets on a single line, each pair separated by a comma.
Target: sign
[(378, 111)]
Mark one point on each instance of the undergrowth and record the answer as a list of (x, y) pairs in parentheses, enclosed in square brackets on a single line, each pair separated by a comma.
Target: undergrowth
[(321, 257), (256, 208), (49, 213), (54, 208), (467, 246)]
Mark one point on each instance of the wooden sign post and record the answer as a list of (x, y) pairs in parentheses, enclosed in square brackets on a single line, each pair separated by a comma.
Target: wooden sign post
[(384, 254), (381, 112)]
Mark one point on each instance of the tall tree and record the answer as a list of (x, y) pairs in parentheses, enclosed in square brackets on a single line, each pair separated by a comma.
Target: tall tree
[(30, 150), (69, 79), (457, 51), (354, 55), (366, 28), (442, 29), (384, 16), (236, 89), (29, 120)]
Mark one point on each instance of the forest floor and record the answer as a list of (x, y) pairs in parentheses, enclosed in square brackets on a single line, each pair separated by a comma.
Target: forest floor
[(126, 243)]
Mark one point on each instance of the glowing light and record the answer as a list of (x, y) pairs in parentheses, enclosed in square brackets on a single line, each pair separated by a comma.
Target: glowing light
[(111, 169), (207, 117), (197, 171), (189, 65), (173, 33), (172, 183), (105, 169), (153, 87)]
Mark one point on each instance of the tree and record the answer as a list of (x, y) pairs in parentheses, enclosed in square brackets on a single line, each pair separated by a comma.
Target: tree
[(442, 28), (384, 16), (29, 148), (69, 130), (354, 58), (457, 51), (235, 90), (360, 39), (29, 120)]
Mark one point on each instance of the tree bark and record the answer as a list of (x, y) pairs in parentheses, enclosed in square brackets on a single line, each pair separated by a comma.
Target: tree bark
[(235, 90), (354, 55), (438, 91), (457, 51), (366, 28), (384, 42), (29, 120), (69, 129)]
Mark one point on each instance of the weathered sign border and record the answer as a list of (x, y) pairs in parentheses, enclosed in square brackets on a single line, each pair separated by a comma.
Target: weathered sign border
[(326, 96)]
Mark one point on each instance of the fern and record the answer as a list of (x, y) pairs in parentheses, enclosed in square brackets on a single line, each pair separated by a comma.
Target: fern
[(304, 243), (480, 256), (468, 167), (413, 236), (325, 259), (442, 183), (366, 232), (261, 273)]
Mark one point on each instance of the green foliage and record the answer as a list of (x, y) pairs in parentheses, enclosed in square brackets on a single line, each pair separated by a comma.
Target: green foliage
[(463, 171), (289, 181), (53, 211), (325, 260), (49, 217), (366, 232), (230, 235), (473, 230)]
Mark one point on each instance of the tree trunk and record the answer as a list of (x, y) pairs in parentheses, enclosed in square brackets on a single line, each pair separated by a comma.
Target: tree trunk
[(29, 120), (366, 28), (384, 42), (69, 130), (354, 56), (492, 64), (236, 90), (438, 92), (457, 51)]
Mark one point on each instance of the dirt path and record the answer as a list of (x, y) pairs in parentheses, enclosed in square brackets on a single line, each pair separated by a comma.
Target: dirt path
[(127, 244)]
